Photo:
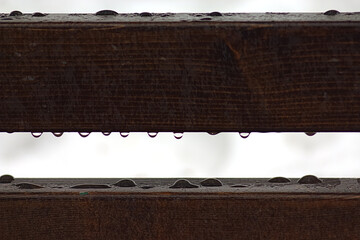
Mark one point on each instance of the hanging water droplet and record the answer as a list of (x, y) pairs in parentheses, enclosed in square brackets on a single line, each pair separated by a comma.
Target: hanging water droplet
[(106, 133), (310, 133), (213, 133), (36, 134), (84, 134), (178, 135), (244, 134), (57, 134), (124, 134), (152, 134)]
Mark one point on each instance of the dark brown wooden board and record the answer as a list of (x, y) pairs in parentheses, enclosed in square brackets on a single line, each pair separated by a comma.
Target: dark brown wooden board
[(258, 210), (180, 72)]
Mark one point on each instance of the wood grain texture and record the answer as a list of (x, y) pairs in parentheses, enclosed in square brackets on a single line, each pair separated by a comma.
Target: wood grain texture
[(244, 73), (302, 212)]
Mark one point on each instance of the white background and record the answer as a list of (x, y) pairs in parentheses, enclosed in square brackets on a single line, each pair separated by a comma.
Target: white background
[(196, 154)]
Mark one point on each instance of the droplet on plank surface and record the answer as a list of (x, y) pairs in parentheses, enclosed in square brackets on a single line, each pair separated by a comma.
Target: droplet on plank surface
[(84, 134), (213, 133), (244, 134), (152, 134), (36, 134), (124, 134), (57, 134), (178, 135)]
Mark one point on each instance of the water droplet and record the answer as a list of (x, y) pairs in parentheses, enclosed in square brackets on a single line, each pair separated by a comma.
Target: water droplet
[(38, 14), (279, 180), (125, 183), (57, 134), (213, 133), (15, 13), (211, 182), (152, 134), (36, 134), (309, 179), (84, 134), (183, 183), (239, 186), (106, 13), (178, 135), (215, 14), (89, 186), (106, 133), (310, 133), (124, 134), (6, 178), (331, 12), (28, 186), (244, 134), (145, 14)]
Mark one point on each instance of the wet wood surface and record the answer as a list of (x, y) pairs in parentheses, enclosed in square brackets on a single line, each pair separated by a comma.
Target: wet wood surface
[(280, 208), (180, 72)]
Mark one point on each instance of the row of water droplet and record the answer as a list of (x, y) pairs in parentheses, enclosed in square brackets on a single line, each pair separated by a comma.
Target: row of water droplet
[(177, 135)]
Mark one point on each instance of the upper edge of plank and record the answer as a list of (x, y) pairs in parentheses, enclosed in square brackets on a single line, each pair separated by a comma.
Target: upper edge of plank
[(146, 17)]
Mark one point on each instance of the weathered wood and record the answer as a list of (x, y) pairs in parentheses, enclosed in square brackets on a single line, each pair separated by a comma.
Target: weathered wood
[(255, 209), (180, 72)]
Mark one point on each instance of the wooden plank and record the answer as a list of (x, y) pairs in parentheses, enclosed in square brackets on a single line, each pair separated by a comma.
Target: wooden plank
[(180, 72), (258, 210)]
